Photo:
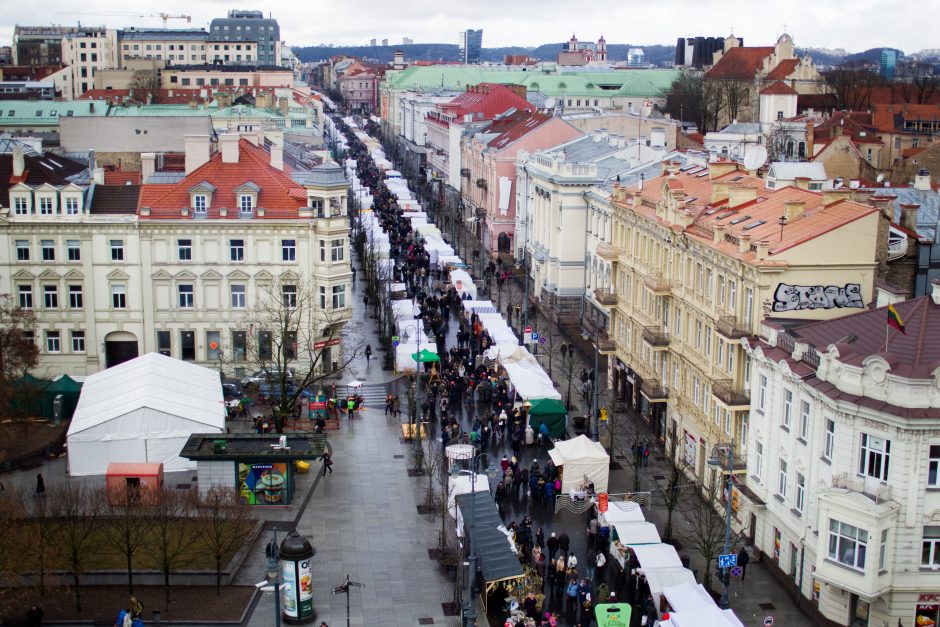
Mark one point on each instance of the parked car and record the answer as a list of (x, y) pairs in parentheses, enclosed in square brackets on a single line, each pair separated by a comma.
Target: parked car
[(271, 391), (232, 389), (265, 375)]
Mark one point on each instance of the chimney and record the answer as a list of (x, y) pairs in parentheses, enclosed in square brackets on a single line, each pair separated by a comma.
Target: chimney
[(794, 210), (763, 247), (277, 157), (935, 291), (718, 233), (909, 216), (399, 57), (744, 243), (720, 168), (282, 104), (835, 195), (19, 162), (922, 180), (98, 176), (92, 162), (148, 165), (810, 140), (228, 142), (883, 205), (197, 151), (740, 194), (802, 182), (223, 100)]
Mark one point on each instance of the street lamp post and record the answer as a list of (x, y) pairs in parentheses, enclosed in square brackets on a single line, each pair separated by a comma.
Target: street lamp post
[(716, 461), (470, 616), (595, 394), (415, 388), (274, 572)]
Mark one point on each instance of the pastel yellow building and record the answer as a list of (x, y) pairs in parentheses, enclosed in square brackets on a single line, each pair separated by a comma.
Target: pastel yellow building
[(701, 256)]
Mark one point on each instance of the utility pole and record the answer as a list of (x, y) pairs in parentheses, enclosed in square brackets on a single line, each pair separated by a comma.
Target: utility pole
[(344, 589)]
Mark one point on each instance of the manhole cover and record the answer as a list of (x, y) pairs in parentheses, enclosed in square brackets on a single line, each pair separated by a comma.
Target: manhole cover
[(398, 456), (426, 621), (766, 606)]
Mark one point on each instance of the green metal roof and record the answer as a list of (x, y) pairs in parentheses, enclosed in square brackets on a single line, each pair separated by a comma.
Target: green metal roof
[(628, 83), (158, 110), (19, 112)]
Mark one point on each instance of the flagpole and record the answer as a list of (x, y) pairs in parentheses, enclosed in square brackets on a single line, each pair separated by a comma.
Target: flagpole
[(887, 330)]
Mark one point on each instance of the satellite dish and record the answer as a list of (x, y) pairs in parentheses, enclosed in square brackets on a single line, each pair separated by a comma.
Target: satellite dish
[(881, 178), (549, 103), (755, 157)]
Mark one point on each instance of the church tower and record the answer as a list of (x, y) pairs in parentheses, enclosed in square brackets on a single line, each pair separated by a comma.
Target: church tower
[(602, 50)]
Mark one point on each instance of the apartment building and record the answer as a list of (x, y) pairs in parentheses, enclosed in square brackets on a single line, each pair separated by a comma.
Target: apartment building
[(250, 27), (85, 52), (700, 257), (182, 265), (843, 453)]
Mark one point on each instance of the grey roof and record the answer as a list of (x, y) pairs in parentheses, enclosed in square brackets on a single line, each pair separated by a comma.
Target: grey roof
[(928, 214), (161, 34), (8, 143), (248, 185), (206, 185), (742, 128), (165, 178), (326, 174), (790, 170), (492, 547), (585, 150)]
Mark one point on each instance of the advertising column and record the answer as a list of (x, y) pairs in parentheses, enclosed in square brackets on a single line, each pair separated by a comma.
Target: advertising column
[(297, 579)]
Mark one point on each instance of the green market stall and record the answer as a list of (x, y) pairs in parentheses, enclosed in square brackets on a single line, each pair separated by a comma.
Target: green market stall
[(552, 413)]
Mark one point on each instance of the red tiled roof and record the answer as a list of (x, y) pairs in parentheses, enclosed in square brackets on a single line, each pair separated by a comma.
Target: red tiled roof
[(741, 63), (783, 70), (514, 126), (121, 177), (914, 355), (485, 101), (280, 196), (778, 88)]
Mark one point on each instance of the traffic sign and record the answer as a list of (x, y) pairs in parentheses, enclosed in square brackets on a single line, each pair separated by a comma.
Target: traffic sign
[(542, 340), (528, 329), (768, 621), (727, 561), (535, 337), (737, 571)]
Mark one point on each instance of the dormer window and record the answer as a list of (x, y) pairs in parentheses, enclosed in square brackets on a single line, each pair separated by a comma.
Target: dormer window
[(247, 195), (21, 206), (71, 206), (45, 206), (317, 205), (246, 203), (200, 204), (201, 197)]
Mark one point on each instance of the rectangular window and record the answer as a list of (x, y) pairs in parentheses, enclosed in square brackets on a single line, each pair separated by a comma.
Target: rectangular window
[(45, 206), (800, 492), (804, 419), (288, 250), (874, 455), (761, 392), (829, 441), (708, 341), (199, 203), (76, 300), (339, 296), (78, 341), (787, 407), (22, 250), (782, 480), (264, 345), (759, 460), (236, 249), (882, 549), (73, 249), (21, 206), (213, 345), (847, 544), (50, 297), (337, 248), (322, 250), (245, 203), (119, 296), (930, 553), (239, 345), (186, 297), (188, 345), (52, 342), (48, 250), (25, 294), (289, 295), (238, 296), (164, 343), (184, 249), (933, 466), (322, 297), (117, 250), (71, 206)]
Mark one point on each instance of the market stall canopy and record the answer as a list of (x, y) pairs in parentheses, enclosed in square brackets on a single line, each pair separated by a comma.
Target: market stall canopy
[(552, 413), (143, 410), (464, 484), (656, 555), (355, 384), (661, 578), (581, 458), (494, 549), (703, 617), (425, 357), (69, 389), (623, 512), (403, 355), (687, 597), (463, 283), (527, 376), (456, 452), (636, 533)]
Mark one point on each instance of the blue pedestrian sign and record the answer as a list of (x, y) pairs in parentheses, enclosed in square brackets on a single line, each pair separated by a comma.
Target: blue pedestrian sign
[(727, 561)]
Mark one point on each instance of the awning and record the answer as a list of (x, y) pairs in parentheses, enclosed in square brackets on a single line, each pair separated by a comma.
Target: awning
[(493, 548), (505, 192)]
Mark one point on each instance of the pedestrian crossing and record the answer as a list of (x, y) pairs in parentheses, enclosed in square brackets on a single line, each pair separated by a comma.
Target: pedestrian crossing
[(373, 395)]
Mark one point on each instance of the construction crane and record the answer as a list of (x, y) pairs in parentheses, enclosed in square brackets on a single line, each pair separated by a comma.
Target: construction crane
[(162, 16)]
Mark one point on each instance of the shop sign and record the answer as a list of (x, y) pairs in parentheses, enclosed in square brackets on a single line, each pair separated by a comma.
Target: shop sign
[(324, 343), (602, 502)]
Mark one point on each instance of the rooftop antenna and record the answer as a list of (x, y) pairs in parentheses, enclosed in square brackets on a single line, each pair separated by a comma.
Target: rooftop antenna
[(783, 223)]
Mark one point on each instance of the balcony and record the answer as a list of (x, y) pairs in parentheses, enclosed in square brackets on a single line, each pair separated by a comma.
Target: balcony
[(654, 391), (875, 490), (660, 285), (605, 297), (720, 457), (605, 345), (607, 251), (731, 397), (657, 338), (729, 327)]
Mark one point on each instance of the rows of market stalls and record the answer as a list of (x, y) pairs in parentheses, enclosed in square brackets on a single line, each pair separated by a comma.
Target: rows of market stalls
[(583, 464)]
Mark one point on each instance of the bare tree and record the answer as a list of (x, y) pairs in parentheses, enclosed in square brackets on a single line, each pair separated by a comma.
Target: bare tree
[(917, 81), (669, 490), (781, 142), (852, 85), (12, 540), (296, 328), (705, 528), (127, 527), (174, 533), (78, 514), (685, 98), (224, 525), (145, 87), (18, 354), (40, 521)]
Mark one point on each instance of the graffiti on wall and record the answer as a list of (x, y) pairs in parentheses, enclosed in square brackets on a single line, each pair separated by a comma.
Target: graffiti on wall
[(801, 297)]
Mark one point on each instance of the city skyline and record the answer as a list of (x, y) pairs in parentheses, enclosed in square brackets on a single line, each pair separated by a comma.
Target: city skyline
[(810, 24)]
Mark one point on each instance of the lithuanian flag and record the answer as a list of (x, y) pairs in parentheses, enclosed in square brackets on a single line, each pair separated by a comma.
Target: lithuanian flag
[(894, 320)]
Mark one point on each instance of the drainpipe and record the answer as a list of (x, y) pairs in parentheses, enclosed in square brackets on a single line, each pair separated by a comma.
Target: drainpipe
[(584, 287)]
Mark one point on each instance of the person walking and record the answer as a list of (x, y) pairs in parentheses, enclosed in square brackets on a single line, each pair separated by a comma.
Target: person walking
[(564, 542), (327, 460), (743, 559), (136, 609), (350, 408), (40, 486), (34, 616), (552, 544), (368, 352), (601, 563)]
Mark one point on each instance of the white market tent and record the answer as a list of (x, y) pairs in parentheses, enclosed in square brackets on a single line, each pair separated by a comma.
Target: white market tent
[(404, 362), (623, 512), (634, 533), (656, 555), (687, 597), (706, 616), (464, 484), (463, 283), (143, 410), (580, 458), (527, 376)]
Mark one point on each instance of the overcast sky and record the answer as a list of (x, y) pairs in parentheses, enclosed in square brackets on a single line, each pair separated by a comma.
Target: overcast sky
[(851, 24)]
